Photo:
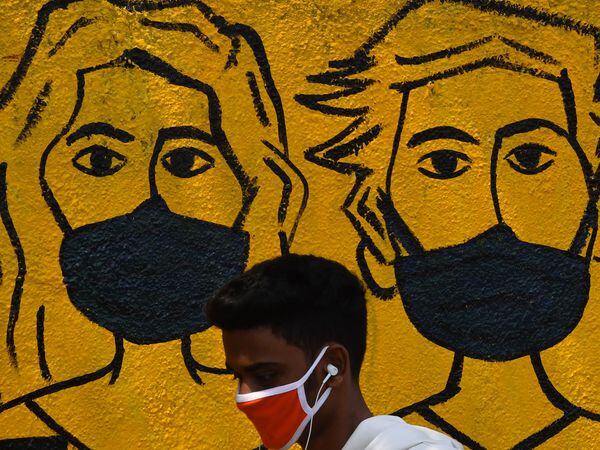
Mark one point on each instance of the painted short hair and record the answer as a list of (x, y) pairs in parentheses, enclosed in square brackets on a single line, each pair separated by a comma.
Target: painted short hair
[(350, 88)]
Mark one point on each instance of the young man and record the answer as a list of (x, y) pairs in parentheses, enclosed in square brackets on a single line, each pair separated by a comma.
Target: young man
[(294, 332)]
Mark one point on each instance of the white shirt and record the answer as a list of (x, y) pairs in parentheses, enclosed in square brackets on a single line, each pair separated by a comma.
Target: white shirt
[(393, 433)]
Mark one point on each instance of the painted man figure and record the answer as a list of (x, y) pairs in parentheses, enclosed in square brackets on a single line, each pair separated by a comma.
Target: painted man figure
[(478, 194)]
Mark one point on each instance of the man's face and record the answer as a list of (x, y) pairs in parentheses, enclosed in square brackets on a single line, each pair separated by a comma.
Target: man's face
[(487, 180), (261, 360)]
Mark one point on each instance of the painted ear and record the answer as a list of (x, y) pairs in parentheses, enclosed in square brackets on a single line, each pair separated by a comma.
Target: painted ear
[(255, 122), (378, 276), (269, 111), (294, 195), (375, 253), (386, 236)]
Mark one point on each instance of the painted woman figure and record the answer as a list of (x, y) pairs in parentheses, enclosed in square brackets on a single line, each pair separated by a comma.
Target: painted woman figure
[(145, 158), (472, 139)]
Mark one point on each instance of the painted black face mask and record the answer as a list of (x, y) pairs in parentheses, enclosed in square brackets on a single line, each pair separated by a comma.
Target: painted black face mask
[(494, 297), (146, 275)]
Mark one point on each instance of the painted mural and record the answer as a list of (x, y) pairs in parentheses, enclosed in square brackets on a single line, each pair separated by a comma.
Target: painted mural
[(150, 191), (451, 150)]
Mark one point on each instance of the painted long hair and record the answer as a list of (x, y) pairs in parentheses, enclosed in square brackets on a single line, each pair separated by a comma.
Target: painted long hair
[(187, 40)]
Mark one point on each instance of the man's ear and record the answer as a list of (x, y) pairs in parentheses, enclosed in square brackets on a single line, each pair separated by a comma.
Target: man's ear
[(338, 356)]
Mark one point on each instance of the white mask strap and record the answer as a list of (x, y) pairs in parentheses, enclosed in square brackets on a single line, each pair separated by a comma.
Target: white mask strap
[(313, 367), (241, 398)]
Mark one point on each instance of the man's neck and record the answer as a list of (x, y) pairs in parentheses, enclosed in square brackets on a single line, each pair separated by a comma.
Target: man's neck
[(335, 430)]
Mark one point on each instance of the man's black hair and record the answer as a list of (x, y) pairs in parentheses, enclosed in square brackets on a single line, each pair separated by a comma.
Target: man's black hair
[(307, 300)]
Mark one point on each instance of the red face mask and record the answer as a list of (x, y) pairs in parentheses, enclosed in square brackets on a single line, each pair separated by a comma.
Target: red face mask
[(281, 414)]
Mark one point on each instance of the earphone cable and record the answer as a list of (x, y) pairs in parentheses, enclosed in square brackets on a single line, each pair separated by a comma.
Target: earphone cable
[(312, 416)]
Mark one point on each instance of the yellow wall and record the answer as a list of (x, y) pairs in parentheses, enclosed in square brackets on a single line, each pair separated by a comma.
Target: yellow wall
[(154, 402)]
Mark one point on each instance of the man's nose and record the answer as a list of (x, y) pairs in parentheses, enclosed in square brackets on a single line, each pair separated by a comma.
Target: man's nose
[(244, 387)]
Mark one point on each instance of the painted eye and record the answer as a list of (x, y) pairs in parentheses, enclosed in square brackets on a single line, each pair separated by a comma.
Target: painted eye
[(444, 164), (530, 159), (98, 161), (186, 162)]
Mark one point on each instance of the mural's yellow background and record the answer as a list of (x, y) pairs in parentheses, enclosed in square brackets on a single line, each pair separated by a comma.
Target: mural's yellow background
[(154, 404)]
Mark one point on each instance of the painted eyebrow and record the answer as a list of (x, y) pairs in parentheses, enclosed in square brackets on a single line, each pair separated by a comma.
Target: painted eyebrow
[(443, 132), (186, 132), (102, 128), (530, 125)]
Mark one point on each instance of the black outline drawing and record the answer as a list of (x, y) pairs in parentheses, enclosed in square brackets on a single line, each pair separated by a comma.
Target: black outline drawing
[(351, 76), (42, 362), (22, 268), (276, 159), (35, 112), (80, 23)]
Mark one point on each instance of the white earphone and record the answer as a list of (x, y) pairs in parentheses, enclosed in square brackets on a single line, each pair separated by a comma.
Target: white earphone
[(332, 371)]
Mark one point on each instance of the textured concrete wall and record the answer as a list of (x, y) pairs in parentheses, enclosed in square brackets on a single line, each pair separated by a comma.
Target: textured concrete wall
[(445, 151)]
